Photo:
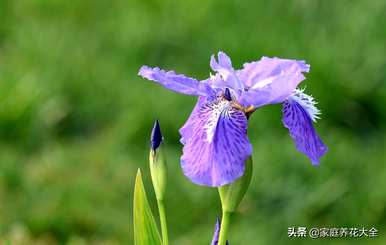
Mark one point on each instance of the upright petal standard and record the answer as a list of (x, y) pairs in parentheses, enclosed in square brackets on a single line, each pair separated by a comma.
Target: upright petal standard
[(215, 138)]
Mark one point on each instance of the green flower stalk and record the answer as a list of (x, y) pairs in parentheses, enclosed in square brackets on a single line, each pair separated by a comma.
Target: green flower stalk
[(231, 196), (158, 171)]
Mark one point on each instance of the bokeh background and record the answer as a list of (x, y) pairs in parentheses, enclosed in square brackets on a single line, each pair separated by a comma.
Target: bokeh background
[(75, 118)]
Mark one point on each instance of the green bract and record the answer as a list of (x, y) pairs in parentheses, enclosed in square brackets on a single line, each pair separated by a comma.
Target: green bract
[(232, 194), (158, 172)]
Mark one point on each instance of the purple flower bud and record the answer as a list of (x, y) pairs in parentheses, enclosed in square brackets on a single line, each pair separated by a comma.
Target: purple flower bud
[(156, 136), (217, 233)]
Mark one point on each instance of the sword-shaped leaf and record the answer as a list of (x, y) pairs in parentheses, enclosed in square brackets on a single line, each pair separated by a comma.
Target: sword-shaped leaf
[(145, 228)]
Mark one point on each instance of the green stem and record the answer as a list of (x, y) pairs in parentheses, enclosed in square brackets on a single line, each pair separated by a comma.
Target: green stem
[(225, 221), (164, 227)]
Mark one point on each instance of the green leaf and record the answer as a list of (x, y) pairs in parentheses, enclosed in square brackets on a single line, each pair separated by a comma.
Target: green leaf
[(145, 228)]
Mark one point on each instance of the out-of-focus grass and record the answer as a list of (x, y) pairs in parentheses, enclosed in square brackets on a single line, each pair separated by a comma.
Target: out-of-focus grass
[(75, 118)]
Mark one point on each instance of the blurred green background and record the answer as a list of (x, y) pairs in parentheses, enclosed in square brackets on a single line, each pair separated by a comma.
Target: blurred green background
[(75, 118)]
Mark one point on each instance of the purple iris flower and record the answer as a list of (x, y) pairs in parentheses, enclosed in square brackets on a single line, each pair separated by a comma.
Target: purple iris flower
[(215, 135)]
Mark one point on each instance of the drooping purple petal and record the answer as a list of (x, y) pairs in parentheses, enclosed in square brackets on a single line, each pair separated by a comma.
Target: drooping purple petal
[(175, 82), (270, 80), (215, 144), (216, 233), (187, 129), (226, 75), (300, 127)]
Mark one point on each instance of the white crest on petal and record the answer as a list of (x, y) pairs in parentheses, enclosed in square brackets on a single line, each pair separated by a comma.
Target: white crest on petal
[(263, 83), (217, 109), (307, 102)]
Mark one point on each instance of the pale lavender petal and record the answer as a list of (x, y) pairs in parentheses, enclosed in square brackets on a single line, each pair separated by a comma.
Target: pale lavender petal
[(219, 86), (216, 233), (216, 144), (300, 127), (224, 62), (225, 74), (175, 82), (270, 80), (256, 73)]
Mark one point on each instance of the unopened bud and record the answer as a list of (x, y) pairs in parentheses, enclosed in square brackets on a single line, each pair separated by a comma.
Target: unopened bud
[(158, 169)]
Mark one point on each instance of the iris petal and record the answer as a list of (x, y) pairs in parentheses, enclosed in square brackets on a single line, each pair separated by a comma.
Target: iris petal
[(299, 124), (270, 80), (226, 75), (215, 144), (187, 129), (175, 82), (224, 62)]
